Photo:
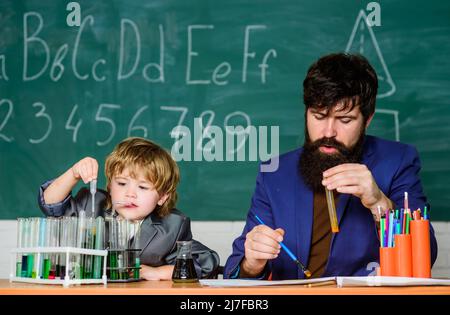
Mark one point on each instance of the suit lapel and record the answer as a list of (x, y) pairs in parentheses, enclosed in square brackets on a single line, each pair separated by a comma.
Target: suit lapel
[(341, 206), (368, 149), (148, 231)]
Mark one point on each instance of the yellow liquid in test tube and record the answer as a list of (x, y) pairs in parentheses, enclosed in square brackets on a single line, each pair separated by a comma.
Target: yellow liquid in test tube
[(332, 211)]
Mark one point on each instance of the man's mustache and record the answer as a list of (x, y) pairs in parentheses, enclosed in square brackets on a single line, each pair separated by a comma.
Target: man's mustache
[(330, 142)]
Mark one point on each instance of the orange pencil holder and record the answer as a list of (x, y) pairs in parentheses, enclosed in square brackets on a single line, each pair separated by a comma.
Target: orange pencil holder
[(388, 265), (421, 252), (403, 255)]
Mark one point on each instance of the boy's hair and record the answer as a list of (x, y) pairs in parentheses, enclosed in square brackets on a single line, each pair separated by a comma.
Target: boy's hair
[(142, 155), (341, 77)]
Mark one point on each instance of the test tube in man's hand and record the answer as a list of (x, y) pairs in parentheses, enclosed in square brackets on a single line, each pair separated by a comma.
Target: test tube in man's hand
[(332, 211)]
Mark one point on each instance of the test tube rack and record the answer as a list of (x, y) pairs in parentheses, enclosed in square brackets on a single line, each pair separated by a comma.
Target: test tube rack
[(69, 251)]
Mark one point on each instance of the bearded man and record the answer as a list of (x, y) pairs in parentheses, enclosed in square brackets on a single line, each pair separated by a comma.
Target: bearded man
[(367, 175)]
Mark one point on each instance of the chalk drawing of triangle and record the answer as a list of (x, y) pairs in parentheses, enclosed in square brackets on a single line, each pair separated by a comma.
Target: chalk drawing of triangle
[(362, 24)]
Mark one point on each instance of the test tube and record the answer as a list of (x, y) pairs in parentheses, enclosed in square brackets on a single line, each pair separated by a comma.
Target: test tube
[(63, 242), (332, 211), (35, 232), (42, 234), (135, 248), (54, 242), (72, 242), (89, 244), (49, 260), (25, 227), (47, 243), (81, 238), (67, 239), (112, 247), (73, 232), (99, 244), (20, 235), (122, 256), (29, 243)]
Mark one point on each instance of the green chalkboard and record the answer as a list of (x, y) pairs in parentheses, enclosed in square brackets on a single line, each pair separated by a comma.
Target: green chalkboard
[(142, 68)]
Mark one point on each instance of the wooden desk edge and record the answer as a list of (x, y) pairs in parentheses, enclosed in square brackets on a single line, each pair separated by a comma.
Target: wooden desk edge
[(166, 288)]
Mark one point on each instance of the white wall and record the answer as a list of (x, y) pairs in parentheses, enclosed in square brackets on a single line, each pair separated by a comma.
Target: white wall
[(441, 267), (219, 236)]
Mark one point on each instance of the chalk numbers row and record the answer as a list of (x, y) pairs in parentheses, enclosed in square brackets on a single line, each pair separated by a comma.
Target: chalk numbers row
[(103, 116)]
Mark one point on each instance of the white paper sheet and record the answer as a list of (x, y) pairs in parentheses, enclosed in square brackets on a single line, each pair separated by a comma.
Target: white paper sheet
[(340, 281), (388, 281), (251, 283)]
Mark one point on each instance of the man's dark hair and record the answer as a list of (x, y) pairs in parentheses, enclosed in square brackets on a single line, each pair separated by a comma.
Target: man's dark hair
[(341, 77)]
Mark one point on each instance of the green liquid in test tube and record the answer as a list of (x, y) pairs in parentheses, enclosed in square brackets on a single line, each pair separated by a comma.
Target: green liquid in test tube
[(47, 266), (113, 265)]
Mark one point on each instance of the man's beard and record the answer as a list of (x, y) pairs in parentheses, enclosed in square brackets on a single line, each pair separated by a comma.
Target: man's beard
[(313, 162)]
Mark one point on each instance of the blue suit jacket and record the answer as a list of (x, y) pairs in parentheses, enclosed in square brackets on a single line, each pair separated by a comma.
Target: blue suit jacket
[(282, 200)]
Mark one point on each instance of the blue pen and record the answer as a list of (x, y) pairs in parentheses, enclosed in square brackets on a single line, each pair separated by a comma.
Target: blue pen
[(295, 259), (391, 229)]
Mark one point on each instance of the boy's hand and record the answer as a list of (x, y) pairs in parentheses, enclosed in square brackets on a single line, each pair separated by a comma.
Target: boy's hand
[(157, 273), (85, 169)]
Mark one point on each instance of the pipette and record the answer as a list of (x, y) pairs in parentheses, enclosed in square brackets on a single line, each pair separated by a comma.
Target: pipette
[(93, 190), (332, 211)]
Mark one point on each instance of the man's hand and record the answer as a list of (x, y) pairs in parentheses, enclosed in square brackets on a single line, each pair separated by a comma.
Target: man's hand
[(261, 244), (357, 179)]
